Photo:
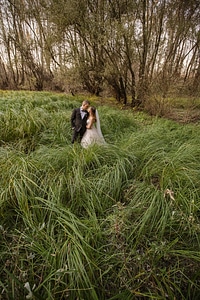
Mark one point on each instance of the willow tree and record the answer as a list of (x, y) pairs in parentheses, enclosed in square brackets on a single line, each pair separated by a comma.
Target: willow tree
[(23, 26), (181, 26), (128, 47)]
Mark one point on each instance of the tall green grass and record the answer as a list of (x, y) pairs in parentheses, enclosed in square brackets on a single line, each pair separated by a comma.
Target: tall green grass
[(114, 222)]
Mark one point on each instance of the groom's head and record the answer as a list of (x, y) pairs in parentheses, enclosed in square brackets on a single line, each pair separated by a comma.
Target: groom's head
[(85, 104)]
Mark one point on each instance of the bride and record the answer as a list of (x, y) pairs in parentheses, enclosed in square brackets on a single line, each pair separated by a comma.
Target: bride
[(93, 134)]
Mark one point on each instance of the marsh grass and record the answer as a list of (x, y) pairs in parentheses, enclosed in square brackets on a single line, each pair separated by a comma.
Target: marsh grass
[(114, 222)]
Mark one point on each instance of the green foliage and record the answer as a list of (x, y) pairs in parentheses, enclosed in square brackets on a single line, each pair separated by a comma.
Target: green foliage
[(119, 221)]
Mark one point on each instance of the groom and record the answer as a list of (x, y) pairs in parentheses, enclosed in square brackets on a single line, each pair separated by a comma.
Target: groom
[(78, 121)]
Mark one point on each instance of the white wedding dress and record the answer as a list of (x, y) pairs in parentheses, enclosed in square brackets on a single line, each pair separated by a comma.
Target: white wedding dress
[(93, 135)]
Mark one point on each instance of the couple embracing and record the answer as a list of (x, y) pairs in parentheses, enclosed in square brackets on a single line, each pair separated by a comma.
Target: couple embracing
[(86, 125)]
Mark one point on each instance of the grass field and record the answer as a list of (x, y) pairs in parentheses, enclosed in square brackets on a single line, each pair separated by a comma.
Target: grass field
[(120, 221)]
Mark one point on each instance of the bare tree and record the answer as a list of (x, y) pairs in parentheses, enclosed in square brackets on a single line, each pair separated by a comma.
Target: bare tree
[(131, 48)]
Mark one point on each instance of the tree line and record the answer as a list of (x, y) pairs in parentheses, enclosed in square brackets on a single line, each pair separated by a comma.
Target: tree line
[(126, 48)]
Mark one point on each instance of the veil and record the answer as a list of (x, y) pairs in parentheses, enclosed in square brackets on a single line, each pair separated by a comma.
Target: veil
[(98, 126)]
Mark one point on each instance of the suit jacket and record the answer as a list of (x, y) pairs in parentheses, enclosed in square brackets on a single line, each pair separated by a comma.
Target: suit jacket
[(76, 120)]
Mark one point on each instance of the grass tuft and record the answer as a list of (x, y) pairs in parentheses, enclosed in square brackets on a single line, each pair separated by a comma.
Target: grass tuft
[(119, 221)]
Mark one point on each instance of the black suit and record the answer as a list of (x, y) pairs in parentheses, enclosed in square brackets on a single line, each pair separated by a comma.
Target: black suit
[(78, 124)]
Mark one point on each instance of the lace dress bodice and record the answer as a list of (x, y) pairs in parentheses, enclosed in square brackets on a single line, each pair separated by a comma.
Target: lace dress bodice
[(92, 136)]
